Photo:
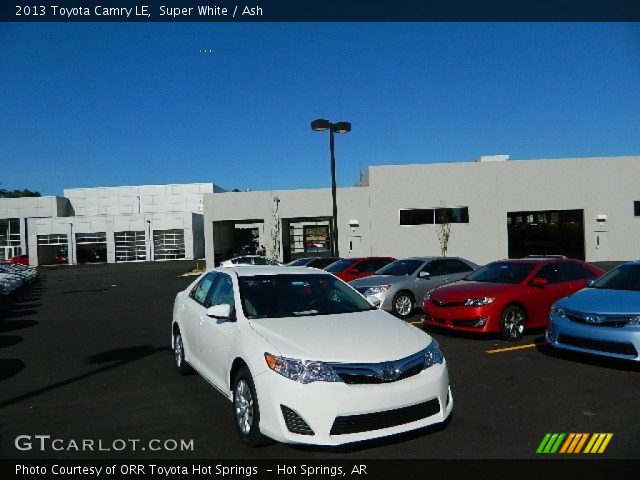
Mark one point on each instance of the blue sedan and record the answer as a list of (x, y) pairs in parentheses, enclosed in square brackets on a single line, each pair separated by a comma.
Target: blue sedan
[(603, 319)]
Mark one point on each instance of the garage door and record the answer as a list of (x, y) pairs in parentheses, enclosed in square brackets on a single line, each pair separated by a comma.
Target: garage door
[(130, 246), (52, 249), (91, 247), (168, 244), (546, 232)]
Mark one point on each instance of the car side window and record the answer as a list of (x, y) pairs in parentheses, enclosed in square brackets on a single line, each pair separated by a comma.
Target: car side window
[(436, 268), (574, 271), (201, 290), (551, 272), (222, 292), (378, 263), (457, 266)]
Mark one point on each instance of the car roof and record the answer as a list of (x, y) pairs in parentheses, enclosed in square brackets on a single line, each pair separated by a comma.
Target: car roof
[(269, 270), (537, 260)]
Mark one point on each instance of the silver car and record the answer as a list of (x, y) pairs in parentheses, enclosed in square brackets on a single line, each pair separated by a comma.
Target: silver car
[(401, 285)]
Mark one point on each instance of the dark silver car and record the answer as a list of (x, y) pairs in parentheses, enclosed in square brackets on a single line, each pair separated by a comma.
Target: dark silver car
[(401, 285)]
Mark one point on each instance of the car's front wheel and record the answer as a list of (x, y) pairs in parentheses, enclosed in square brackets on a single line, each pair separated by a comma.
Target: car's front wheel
[(403, 305), (246, 410), (182, 367), (512, 323)]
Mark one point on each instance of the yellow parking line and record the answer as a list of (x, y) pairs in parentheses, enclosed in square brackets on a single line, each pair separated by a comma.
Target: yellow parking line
[(417, 322), (508, 349)]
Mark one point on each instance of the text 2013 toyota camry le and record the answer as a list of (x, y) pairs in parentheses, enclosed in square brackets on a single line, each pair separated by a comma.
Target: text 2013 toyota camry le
[(306, 359)]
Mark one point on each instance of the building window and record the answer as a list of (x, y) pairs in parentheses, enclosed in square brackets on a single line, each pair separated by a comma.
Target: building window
[(433, 216), (636, 208), (417, 216)]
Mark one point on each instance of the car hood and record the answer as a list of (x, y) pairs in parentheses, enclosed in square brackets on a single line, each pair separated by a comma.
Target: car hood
[(363, 337), (460, 291), (598, 300), (375, 280)]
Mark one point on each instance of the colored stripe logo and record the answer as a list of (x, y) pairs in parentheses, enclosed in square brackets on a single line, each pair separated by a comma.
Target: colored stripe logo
[(571, 443)]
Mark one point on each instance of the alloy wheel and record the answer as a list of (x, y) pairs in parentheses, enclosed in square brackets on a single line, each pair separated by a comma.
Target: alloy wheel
[(178, 349), (243, 404), (514, 323), (403, 305)]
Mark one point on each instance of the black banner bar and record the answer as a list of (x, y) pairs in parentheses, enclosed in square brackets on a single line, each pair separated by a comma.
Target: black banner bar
[(319, 11), (320, 469)]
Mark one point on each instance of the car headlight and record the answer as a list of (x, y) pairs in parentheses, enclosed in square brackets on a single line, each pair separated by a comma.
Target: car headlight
[(558, 311), (479, 302), (433, 355), (303, 371), (377, 289)]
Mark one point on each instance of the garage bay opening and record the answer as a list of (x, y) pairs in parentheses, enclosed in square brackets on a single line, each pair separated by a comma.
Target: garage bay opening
[(546, 232)]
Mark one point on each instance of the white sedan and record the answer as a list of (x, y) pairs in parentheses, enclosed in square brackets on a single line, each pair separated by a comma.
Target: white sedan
[(248, 260), (305, 358)]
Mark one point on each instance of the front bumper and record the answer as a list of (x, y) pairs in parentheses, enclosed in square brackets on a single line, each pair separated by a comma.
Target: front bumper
[(616, 342), (483, 319), (319, 404)]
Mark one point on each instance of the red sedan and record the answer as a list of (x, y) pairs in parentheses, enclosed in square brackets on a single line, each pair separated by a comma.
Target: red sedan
[(349, 269), (507, 296)]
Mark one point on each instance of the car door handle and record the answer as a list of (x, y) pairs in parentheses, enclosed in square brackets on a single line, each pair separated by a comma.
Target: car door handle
[(202, 320)]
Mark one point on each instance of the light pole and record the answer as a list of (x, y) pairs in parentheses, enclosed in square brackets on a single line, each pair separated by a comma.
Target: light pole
[(320, 125), (70, 245)]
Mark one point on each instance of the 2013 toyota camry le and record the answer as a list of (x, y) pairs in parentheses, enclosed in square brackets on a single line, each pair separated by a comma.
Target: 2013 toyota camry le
[(306, 359)]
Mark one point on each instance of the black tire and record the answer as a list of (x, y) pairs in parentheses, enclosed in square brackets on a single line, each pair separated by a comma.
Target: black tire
[(403, 305), (246, 411), (512, 323), (182, 367)]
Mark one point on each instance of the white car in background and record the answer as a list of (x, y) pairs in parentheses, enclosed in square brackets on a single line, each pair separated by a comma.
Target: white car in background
[(247, 260), (305, 358)]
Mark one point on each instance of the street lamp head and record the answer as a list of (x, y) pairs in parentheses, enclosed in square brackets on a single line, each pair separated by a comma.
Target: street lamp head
[(320, 125), (342, 127)]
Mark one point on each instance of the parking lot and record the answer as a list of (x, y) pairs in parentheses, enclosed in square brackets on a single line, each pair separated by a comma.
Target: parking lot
[(84, 354)]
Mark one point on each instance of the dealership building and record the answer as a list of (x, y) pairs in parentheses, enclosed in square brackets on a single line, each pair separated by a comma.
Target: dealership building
[(587, 208), (114, 224)]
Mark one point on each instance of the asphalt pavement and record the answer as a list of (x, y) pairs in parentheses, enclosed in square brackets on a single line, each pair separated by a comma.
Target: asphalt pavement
[(84, 354)]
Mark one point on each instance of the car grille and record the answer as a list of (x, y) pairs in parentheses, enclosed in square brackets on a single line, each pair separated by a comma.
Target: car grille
[(599, 345), (388, 418), (603, 321), (294, 422), (444, 303), (385, 372)]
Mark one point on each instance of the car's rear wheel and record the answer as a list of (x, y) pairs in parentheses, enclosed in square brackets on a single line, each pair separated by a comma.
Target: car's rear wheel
[(512, 323), (182, 367), (246, 410), (403, 305)]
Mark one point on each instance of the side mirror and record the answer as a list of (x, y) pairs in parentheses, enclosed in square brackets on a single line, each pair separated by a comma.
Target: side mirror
[(539, 282), (590, 283), (424, 275), (219, 311)]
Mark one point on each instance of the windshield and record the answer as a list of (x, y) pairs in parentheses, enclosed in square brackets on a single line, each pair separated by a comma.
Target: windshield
[(401, 267), (274, 296), (502, 272), (625, 277), (340, 265)]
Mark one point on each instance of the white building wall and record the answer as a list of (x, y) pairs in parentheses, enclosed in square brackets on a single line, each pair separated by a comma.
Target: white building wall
[(599, 186), (143, 199)]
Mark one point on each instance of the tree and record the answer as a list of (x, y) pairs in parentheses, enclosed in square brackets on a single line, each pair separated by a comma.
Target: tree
[(273, 248), (18, 193), (443, 217)]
